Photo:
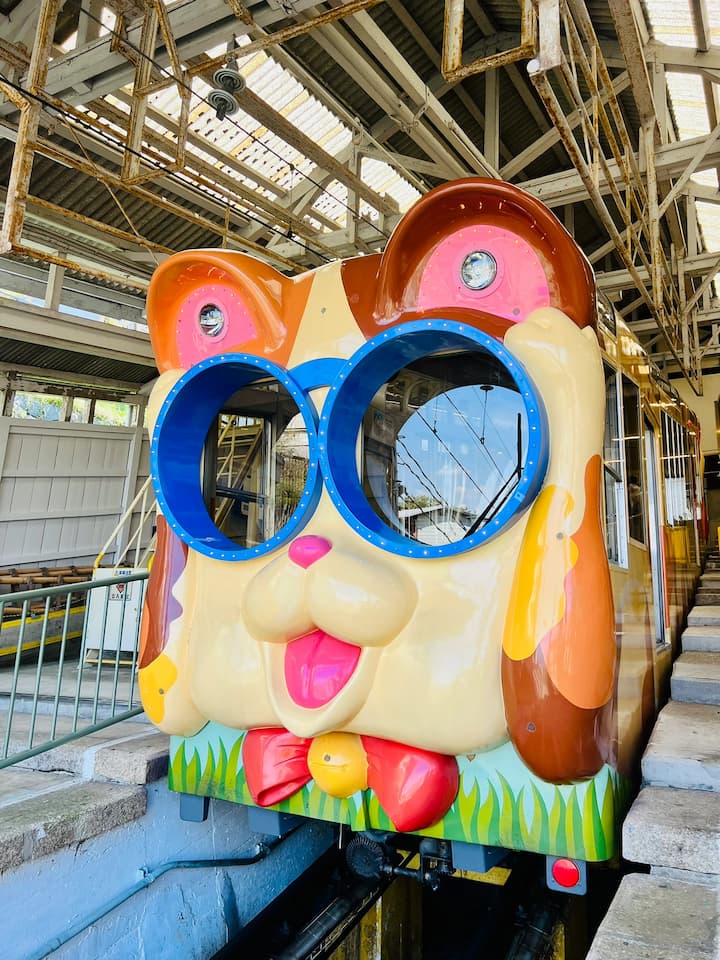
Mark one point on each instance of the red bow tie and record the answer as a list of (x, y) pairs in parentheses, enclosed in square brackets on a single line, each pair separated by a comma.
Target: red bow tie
[(415, 788)]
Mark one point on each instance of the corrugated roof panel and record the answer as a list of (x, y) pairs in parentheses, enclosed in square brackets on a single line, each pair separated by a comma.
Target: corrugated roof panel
[(672, 24)]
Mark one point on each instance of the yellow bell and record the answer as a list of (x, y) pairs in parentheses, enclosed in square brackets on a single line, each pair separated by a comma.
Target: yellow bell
[(338, 764)]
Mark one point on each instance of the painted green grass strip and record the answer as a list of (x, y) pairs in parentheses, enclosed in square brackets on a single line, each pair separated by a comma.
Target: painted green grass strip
[(487, 819), (234, 766), (510, 833), (467, 806), (535, 833), (609, 818), (315, 802), (220, 778), (544, 831), (556, 824), (176, 776), (207, 775), (573, 826), (192, 773), (593, 832)]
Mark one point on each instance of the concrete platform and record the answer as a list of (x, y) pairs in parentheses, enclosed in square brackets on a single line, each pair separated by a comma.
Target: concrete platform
[(674, 828), (696, 678), (128, 752), (655, 918), (684, 749), (701, 639)]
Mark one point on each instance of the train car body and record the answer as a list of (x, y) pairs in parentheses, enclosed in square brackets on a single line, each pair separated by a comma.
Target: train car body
[(414, 531)]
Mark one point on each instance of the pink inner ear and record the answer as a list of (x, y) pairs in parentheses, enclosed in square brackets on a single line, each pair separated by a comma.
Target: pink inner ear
[(519, 287), (193, 343)]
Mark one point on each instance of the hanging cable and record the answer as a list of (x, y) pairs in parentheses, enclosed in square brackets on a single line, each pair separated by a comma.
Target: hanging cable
[(114, 141), (180, 83)]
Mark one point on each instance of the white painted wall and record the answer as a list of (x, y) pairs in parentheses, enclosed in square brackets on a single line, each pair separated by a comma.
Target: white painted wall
[(63, 487), (184, 915)]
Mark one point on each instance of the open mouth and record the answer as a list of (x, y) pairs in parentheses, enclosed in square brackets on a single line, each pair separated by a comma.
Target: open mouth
[(317, 667)]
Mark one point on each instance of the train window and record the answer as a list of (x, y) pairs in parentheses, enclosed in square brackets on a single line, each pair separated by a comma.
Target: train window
[(444, 445), (615, 526), (674, 455), (255, 464), (633, 460)]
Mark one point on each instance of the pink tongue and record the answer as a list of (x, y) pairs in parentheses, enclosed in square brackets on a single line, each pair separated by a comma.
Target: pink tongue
[(317, 667)]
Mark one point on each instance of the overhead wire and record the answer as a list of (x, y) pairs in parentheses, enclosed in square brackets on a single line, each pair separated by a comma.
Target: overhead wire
[(248, 133), (73, 120)]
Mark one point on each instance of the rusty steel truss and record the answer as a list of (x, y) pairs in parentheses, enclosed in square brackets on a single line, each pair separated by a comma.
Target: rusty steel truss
[(517, 88)]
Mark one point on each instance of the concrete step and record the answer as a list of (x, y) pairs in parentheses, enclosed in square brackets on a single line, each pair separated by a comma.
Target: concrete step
[(674, 828), (707, 598), (701, 639), (655, 918), (710, 577), (704, 615), (127, 752), (696, 678), (44, 813), (684, 749)]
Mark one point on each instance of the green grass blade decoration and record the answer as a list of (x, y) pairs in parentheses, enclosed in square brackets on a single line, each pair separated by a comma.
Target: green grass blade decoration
[(556, 824), (593, 835), (573, 826), (192, 773), (208, 772), (543, 833), (510, 833), (469, 807), (220, 778), (233, 769), (176, 777), (608, 818), (488, 818)]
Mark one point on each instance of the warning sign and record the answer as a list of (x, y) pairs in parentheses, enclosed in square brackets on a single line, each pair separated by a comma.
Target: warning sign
[(121, 591)]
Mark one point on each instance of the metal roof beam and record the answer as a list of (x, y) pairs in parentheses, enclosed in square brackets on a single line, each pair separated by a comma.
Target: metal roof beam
[(685, 59), (615, 281), (31, 280), (671, 160), (632, 36), (701, 22), (348, 54), (438, 84), (552, 136), (195, 26), (66, 332), (373, 38)]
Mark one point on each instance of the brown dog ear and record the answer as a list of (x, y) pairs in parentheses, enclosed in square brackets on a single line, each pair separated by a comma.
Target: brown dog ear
[(261, 308), (558, 687), (161, 607), (538, 263)]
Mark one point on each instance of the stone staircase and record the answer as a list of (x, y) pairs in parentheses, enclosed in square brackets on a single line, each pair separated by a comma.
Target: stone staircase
[(76, 791), (673, 913)]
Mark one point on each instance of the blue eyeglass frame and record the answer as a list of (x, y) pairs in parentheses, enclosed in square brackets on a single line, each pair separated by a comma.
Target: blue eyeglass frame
[(194, 401)]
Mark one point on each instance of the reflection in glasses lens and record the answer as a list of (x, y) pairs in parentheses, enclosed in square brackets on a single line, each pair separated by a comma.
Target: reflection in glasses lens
[(444, 446), (255, 463)]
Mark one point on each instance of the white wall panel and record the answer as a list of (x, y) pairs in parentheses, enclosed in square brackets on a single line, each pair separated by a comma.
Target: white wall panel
[(62, 486)]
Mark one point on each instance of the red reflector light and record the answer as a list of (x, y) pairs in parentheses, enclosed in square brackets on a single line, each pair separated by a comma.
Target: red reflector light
[(565, 872)]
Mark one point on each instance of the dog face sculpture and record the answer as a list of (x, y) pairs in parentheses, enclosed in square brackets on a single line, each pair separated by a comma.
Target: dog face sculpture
[(358, 634)]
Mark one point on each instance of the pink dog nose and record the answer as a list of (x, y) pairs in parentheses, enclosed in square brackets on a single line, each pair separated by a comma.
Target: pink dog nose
[(306, 550)]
